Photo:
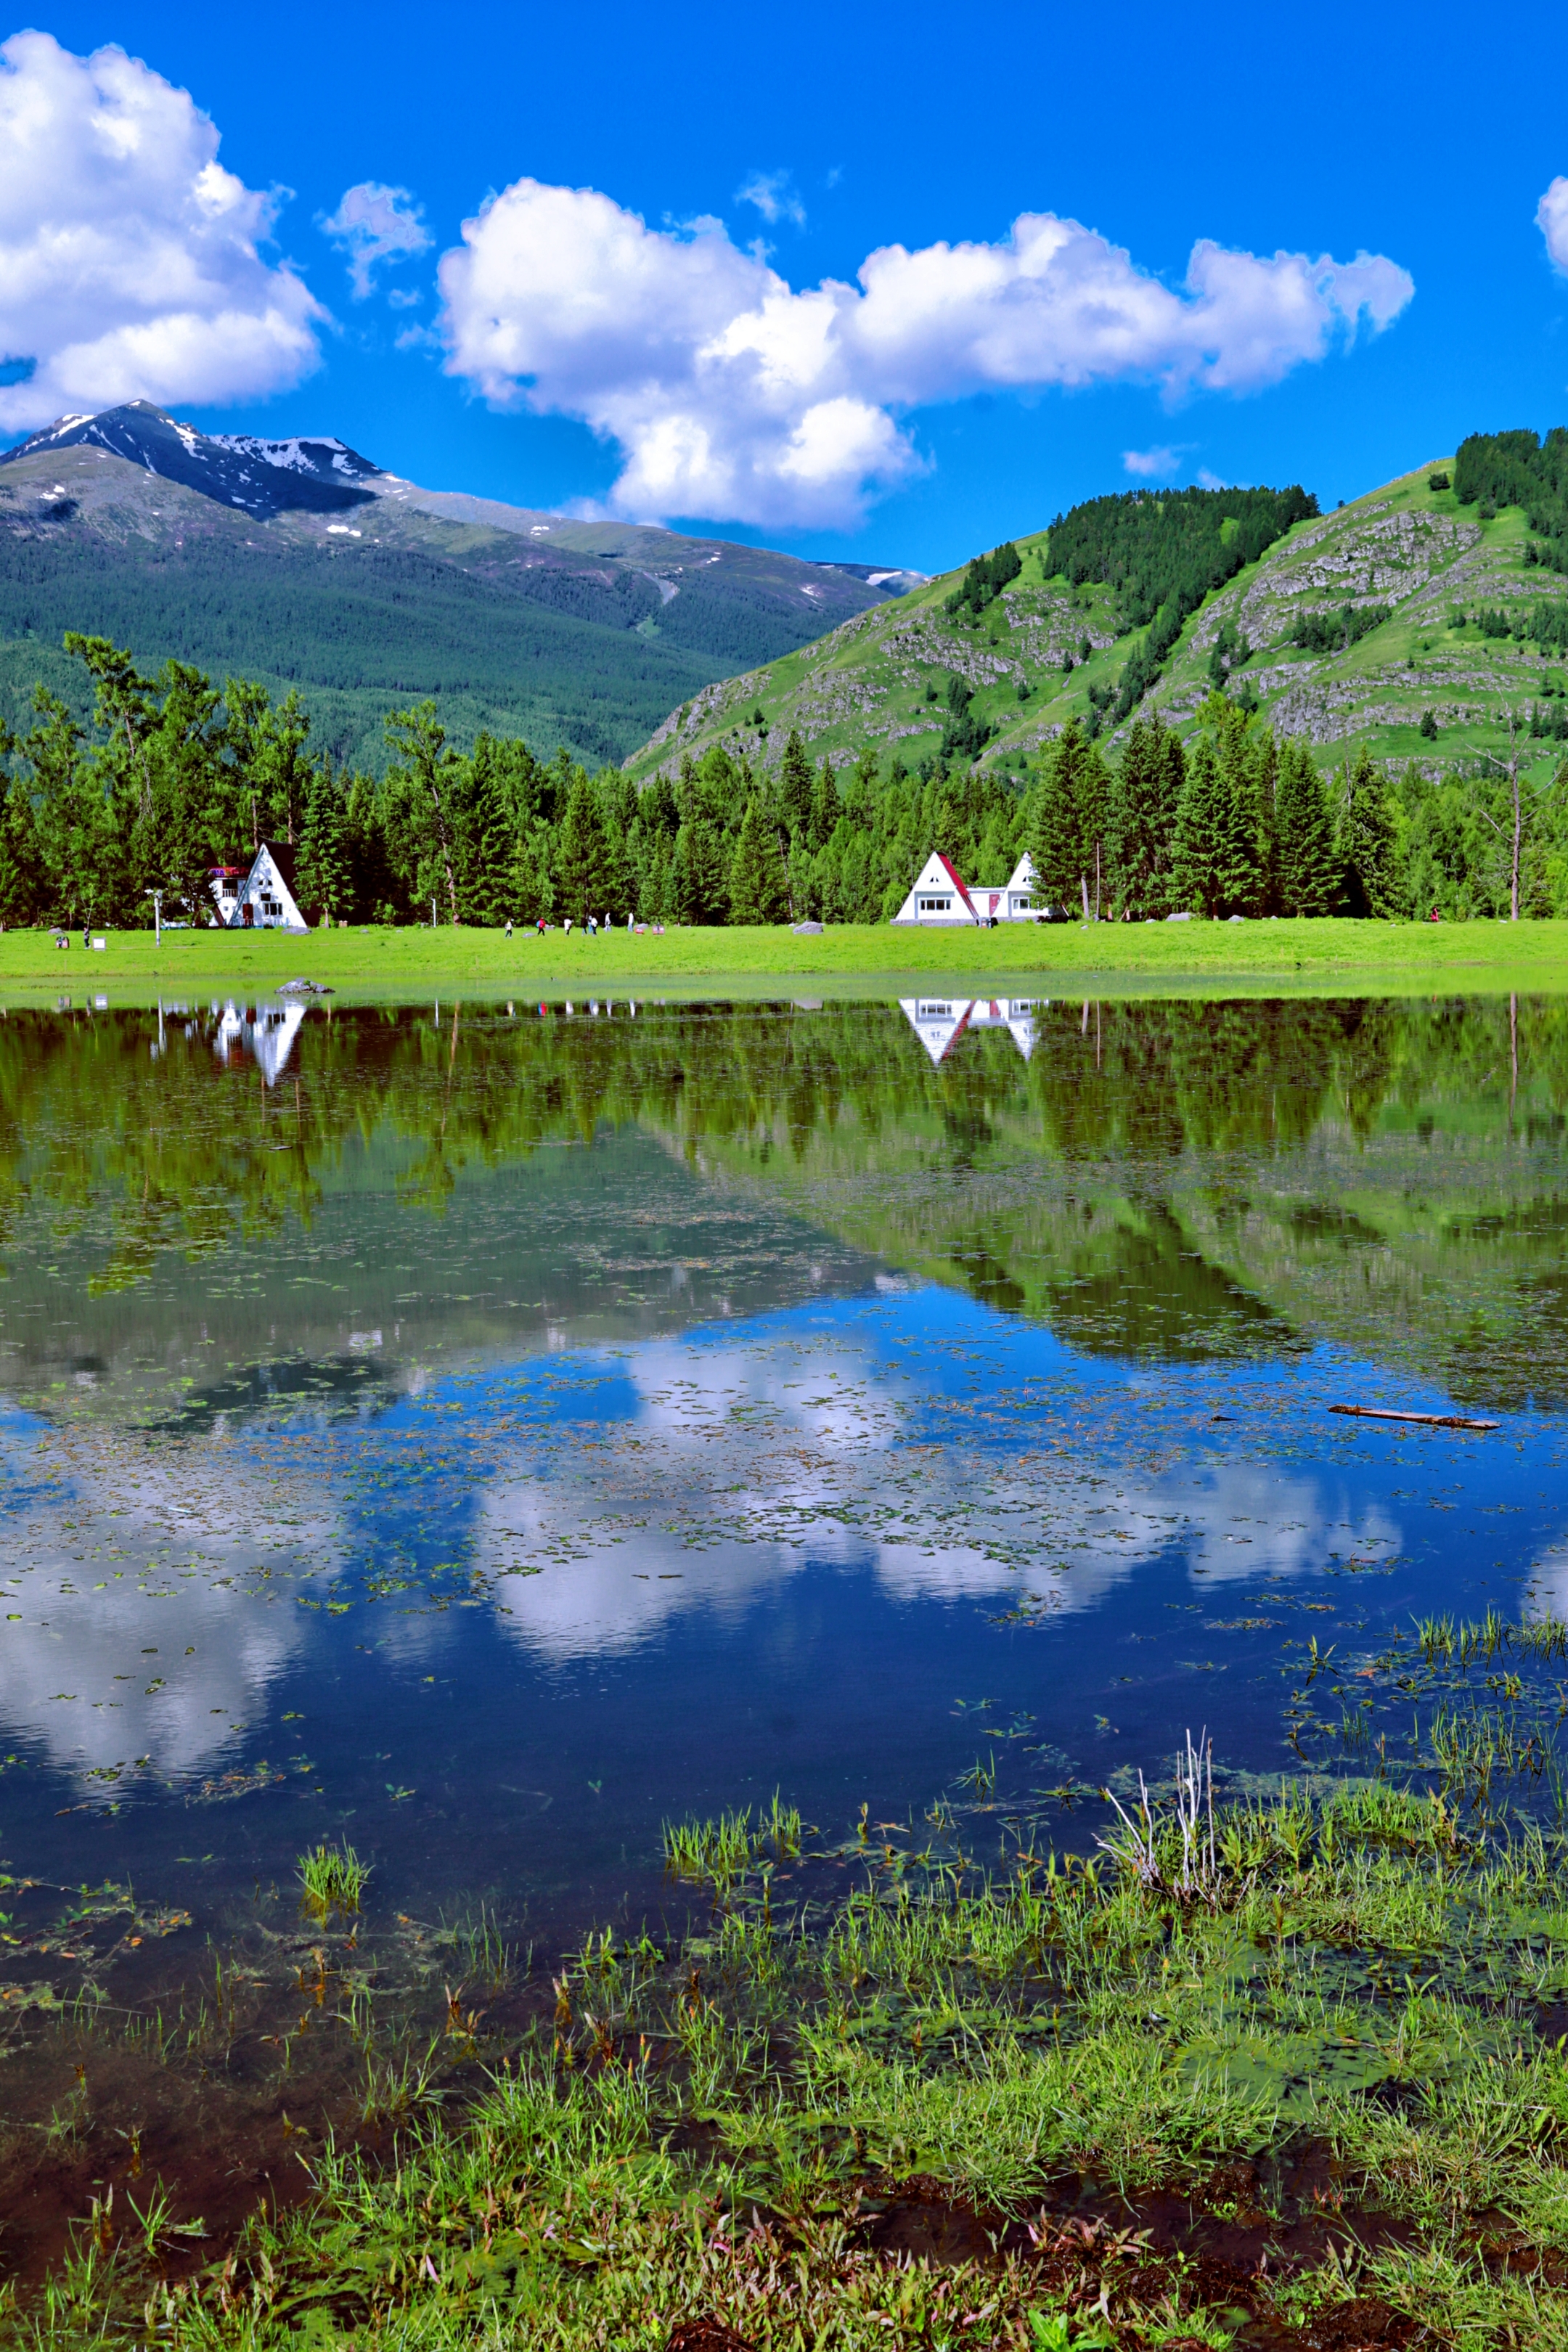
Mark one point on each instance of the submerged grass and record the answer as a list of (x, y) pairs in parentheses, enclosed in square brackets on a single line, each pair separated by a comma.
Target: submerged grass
[(1325, 2031)]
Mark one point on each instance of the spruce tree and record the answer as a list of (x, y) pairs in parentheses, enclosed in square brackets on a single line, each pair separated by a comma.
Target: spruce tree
[(325, 873), (795, 784), (1069, 819), (1219, 852), (1142, 826), (1367, 849), (824, 805), (701, 884), (487, 838), (758, 888), (1308, 863), (1201, 863), (580, 852)]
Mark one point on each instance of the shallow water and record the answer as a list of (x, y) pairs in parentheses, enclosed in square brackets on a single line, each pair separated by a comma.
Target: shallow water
[(483, 1433)]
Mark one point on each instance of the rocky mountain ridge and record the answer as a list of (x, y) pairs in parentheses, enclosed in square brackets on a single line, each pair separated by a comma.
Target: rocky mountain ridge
[(301, 561), (1458, 631)]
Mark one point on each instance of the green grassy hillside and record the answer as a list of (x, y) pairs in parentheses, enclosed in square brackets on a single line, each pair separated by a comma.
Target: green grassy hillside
[(1416, 567)]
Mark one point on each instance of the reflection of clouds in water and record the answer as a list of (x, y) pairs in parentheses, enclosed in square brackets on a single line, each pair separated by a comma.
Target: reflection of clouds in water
[(770, 1464), (134, 1623), (1546, 1582)]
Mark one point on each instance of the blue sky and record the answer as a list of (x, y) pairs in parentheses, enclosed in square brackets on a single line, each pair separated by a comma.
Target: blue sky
[(956, 395)]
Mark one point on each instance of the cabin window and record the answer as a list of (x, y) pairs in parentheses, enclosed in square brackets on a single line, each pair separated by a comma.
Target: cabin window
[(933, 1012), (935, 906)]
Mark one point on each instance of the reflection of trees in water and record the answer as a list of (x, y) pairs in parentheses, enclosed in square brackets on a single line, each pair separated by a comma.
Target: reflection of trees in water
[(1174, 1178)]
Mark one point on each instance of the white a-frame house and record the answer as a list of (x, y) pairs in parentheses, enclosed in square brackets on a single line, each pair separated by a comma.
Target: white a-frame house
[(942, 896), (260, 898)]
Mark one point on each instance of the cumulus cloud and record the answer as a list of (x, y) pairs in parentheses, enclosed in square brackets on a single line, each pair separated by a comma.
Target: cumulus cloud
[(128, 261), (774, 197), (374, 224), (1551, 220), (1148, 462), (733, 395)]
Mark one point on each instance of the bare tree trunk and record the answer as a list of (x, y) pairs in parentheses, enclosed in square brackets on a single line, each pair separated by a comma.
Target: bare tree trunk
[(1083, 885), (1513, 789), (1513, 1056)]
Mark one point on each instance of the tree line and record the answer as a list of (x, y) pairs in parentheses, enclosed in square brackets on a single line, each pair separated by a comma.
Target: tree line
[(174, 775), (1240, 822)]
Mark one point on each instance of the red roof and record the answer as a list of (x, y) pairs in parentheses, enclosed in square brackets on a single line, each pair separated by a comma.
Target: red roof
[(953, 875)]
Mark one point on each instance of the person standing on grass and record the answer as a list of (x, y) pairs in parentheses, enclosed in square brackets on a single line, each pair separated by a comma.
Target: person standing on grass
[(509, 927)]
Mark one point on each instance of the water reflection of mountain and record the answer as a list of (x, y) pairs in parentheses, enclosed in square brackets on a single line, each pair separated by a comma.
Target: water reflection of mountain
[(1155, 1180)]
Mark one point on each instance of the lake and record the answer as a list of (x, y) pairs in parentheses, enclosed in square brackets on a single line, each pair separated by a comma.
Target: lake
[(484, 1432)]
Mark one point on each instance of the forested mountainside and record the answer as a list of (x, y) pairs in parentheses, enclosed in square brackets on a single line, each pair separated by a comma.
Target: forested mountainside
[(1222, 701), (1222, 769), (302, 563), (1411, 623)]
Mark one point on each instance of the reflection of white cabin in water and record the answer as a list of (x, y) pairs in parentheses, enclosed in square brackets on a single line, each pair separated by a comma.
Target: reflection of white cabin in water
[(267, 1034), (939, 1021)]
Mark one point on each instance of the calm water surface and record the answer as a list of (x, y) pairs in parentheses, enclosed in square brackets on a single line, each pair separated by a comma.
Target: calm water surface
[(485, 1432)]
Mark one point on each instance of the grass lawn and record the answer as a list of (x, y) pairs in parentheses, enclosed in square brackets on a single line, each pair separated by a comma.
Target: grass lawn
[(1186, 958)]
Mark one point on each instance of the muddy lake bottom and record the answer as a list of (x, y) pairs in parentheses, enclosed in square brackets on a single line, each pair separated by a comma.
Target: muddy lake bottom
[(668, 1490)]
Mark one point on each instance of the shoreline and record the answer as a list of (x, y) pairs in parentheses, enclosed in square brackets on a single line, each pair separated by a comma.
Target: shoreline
[(1333, 955), (1176, 2092)]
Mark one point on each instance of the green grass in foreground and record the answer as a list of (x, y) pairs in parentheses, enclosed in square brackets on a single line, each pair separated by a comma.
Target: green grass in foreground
[(1334, 2018), (1354, 956)]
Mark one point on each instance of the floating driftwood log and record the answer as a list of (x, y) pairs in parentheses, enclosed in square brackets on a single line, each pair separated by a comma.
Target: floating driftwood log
[(1427, 1420)]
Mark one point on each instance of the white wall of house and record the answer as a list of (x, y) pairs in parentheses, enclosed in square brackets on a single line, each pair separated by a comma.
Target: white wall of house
[(269, 897), (939, 895)]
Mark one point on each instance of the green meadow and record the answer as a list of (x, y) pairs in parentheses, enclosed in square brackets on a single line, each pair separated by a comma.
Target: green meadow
[(1358, 957)]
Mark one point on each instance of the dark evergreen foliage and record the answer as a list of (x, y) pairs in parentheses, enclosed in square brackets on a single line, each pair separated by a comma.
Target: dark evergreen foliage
[(759, 888), (1143, 825), (1519, 469), (966, 735), (1367, 840), (984, 580), (1333, 633), (1307, 862)]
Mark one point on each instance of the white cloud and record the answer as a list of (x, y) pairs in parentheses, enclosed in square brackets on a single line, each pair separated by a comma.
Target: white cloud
[(374, 224), (128, 266), (774, 197), (1152, 461), (733, 395), (1552, 219)]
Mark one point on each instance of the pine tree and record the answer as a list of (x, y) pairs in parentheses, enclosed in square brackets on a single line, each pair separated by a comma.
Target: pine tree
[(487, 838), (1367, 840), (325, 874), (758, 887), (1308, 869), (580, 852), (421, 835), (701, 884), (795, 784), (1069, 820), (530, 892), (824, 805), (1143, 827), (1219, 849)]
